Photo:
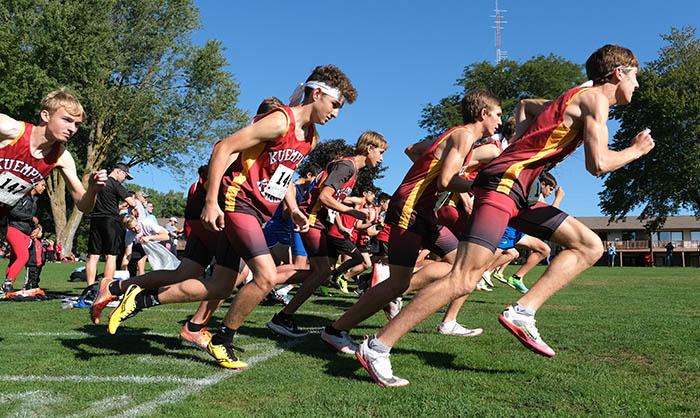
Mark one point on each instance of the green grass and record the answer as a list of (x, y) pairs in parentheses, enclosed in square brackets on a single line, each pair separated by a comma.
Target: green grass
[(627, 342)]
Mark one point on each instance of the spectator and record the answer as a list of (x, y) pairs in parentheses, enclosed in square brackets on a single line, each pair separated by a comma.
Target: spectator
[(669, 254), (59, 252), (20, 223), (151, 216), (171, 227), (140, 212), (139, 232), (106, 233), (36, 260), (611, 254)]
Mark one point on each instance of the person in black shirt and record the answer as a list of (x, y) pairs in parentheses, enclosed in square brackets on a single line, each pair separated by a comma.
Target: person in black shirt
[(106, 233)]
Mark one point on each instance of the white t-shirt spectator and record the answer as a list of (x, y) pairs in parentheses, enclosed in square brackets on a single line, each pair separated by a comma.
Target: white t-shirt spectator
[(148, 228)]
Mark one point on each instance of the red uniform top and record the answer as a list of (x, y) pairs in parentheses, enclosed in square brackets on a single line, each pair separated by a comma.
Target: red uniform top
[(418, 192), (545, 143), (348, 222), (259, 178), (383, 235), (360, 237), (312, 206), (20, 170)]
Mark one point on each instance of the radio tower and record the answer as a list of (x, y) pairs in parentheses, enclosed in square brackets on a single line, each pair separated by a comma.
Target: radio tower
[(500, 54)]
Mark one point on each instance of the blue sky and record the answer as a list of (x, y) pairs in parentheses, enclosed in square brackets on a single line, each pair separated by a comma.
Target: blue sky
[(402, 55)]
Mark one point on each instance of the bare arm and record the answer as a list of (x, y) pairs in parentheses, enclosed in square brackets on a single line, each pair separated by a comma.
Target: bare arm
[(9, 128), (414, 151), (84, 200), (558, 197), (300, 220), (456, 149), (467, 201), (267, 129), (599, 158), (160, 236), (525, 113), (130, 201), (326, 198)]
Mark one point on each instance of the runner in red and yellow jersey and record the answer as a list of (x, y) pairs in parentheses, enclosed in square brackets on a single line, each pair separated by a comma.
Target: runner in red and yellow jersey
[(29, 152), (411, 214), (334, 186), (249, 191), (578, 117)]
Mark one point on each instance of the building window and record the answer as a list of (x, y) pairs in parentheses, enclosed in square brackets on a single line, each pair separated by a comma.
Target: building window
[(670, 236), (629, 235), (695, 235)]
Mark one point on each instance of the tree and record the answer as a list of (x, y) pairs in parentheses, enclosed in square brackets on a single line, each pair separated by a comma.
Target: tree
[(539, 77), (151, 95), (165, 205), (331, 149), (668, 102)]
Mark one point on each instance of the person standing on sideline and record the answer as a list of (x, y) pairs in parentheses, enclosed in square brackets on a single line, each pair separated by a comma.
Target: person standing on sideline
[(669, 254), (22, 222), (106, 233), (611, 254), (171, 227)]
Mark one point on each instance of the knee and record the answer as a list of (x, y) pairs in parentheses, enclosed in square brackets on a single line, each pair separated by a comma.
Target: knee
[(592, 248)]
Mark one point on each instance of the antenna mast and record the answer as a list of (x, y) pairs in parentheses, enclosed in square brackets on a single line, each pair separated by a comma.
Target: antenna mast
[(500, 54)]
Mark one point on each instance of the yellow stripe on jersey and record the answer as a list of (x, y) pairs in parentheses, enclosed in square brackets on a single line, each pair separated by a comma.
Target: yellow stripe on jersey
[(560, 137), (21, 132), (417, 191), (248, 158)]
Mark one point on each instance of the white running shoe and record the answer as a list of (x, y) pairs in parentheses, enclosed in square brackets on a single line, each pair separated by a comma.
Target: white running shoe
[(378, 366), (523, 327), (486, 277), (344, 343), (457, 329), (393, 308), (482, 286)]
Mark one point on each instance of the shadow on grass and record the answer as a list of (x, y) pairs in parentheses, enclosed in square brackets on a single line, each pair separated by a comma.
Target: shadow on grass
[(126, 341)]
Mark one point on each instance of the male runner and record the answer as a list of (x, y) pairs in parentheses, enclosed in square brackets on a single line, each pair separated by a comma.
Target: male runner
[(411, 215), (335, 185), (250, 190), (578, 117), (29, 152)]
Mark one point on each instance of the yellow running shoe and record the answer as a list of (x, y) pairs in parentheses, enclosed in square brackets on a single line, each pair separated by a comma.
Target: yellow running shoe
[(126, 308), (225, 356)]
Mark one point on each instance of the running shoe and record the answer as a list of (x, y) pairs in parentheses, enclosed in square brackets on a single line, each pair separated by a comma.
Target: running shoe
[(125, 310), (517, 284), (379, 366), (393, 308), (459, 330), (486, 277), (226, 356), (285, 325), (499, 276), (342, 285), (101, 300), (523, 327), (6, 288), (482, 286), (344, 343), (198, 339)]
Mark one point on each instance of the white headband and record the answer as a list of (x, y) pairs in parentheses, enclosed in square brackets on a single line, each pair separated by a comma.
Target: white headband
[(298, 94)]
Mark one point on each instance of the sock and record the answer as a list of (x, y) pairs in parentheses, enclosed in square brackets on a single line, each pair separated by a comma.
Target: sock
[(523, 310), (330, 329), (147, 299), (283, 315), (114, 288), (223, 336), (192, 327), (377, 345), (448, 324)]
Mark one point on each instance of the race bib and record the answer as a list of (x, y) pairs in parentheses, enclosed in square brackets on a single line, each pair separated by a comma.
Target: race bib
[(279, 183), (12, 188)]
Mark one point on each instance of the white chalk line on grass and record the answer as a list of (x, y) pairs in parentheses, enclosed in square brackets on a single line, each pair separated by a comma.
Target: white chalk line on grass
[(105, 379), (181, 393), (87, 334)]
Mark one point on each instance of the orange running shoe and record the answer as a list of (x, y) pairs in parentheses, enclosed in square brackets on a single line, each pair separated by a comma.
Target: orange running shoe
[(101, 300), (195, 339)]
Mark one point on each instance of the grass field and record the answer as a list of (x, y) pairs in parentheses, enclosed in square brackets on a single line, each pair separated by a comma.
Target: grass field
[(627, 342)]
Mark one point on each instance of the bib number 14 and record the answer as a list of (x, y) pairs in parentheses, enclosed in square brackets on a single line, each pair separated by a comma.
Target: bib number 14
[(12, 188)]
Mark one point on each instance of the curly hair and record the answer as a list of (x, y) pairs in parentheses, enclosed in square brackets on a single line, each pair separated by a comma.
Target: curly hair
[(334, 77), (601, 65), (269, 104)]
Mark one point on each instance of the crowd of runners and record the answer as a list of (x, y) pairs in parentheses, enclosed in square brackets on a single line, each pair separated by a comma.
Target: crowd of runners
[(448, 229)]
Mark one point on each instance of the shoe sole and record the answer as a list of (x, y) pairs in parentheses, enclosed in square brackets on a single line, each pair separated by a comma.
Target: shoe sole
[(475, 332), (192, 344), (523, 338), (101, 305), (115, 310), (339, 349), (373, 376), (283, 331)]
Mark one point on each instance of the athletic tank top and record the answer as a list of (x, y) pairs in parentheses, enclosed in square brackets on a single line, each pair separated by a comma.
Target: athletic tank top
[(312, 206)]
